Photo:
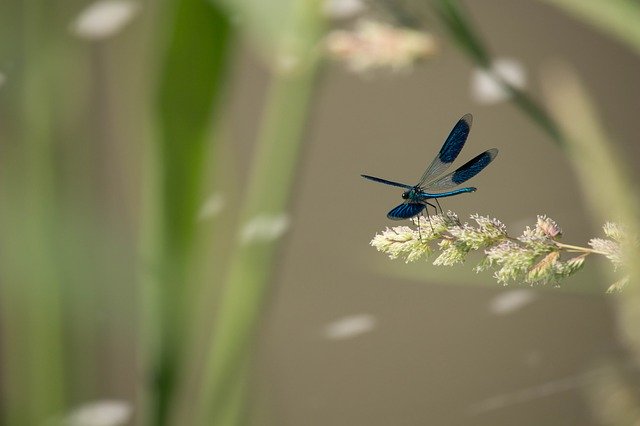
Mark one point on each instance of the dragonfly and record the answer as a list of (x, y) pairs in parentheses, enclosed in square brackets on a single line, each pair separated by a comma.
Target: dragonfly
[(430, 185)]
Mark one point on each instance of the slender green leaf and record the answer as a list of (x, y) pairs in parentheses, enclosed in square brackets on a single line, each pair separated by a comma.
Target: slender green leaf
[(192, 79), (463, 32)]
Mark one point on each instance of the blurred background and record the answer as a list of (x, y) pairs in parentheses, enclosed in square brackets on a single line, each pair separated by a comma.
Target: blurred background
[(185, 234)]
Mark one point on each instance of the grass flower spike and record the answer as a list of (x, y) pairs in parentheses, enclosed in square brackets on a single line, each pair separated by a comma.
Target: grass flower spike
[(537, 257)]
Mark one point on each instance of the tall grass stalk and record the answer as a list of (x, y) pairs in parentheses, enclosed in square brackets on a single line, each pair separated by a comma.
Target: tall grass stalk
[(192, 79), (252, 262), (223, 397), (31, 312), (605, 179)]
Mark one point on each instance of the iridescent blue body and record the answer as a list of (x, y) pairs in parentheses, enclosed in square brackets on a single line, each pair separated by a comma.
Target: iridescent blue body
[(416, 196)]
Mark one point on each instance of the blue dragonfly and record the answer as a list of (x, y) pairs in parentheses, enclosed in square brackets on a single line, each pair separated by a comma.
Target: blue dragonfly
[(416, 197)]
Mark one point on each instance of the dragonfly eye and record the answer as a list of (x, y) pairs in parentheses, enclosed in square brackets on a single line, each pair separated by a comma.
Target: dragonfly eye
[(405, 195)]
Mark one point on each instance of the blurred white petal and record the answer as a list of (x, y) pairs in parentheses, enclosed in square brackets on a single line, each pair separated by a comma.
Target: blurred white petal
[(511, 301), (485, 89), (104, 18), (264, 228), (350, 326), (342, 9), (211, 207), (100, 413)]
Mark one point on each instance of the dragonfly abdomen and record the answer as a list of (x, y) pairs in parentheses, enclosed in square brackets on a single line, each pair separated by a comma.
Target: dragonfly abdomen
[(427, 195)]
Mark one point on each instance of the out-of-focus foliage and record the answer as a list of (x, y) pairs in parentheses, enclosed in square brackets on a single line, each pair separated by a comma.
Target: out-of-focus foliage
[(112, 117), (618, 18)]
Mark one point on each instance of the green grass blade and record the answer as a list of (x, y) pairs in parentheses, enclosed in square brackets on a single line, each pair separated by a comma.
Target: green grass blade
[(252, 263), (462, 31), (191, 82)]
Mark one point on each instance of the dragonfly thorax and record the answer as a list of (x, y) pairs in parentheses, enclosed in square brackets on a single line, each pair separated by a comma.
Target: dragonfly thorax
[(411, 194)]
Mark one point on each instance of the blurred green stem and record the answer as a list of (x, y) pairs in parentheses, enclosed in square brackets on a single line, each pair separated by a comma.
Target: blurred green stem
[(32, 347), (191, 82), (246, 286), (223, 398), (608, 190)]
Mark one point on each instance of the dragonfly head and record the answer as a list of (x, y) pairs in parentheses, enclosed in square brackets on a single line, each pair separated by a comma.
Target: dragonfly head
[(411, 194)]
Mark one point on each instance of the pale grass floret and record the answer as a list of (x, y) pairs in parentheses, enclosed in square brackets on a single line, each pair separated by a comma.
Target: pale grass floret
[(401, 241), (373, 45), (535, 257), (610, 248), (614, 231), (548, 227)]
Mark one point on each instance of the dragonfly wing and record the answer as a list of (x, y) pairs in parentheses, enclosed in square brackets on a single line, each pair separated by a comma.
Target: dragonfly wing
[(450, 149), (386, 182), (464, 172), (405, 211)]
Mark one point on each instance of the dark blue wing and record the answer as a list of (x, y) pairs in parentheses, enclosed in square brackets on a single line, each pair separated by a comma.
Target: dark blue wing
[(405, 211), (386, 182), (450, 149), (464, 172)]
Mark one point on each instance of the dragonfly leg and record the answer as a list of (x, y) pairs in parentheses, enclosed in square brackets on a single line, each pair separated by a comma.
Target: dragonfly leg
[(417, 222), (438, 203), (426, 209)]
